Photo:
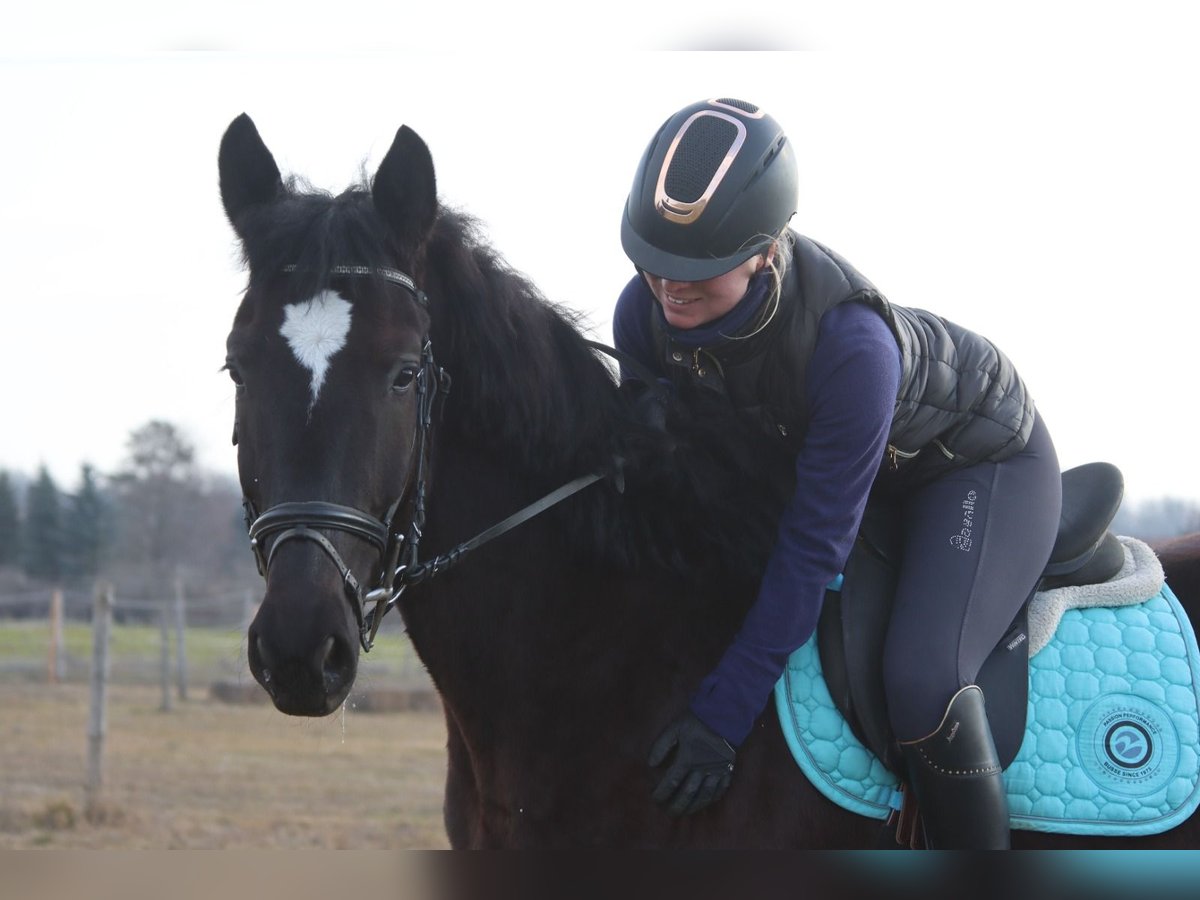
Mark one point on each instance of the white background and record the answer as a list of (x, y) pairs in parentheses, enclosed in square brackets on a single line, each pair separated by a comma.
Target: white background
[(1028, 170)]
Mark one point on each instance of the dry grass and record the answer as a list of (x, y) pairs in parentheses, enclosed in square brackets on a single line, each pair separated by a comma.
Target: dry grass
[(212, 775)]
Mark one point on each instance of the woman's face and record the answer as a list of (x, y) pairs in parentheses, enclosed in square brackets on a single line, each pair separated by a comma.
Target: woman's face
[(687, 304)]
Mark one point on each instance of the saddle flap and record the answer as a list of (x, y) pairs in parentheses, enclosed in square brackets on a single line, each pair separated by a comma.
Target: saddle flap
[(851, 631), (1004, 680), (850, 639)]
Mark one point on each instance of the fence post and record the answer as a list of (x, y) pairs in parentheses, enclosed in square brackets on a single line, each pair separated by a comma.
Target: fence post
[(164, 659), (57, 666), (98, 708), (180, 633)]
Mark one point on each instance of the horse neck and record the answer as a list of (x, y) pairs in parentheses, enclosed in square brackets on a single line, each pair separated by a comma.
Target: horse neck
[(524, 614), (524, 381), (529, 409)]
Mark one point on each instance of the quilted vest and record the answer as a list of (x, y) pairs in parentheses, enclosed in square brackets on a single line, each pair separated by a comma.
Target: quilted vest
[(959, 396)]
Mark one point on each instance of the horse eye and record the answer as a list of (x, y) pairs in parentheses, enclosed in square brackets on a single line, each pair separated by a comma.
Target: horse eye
[(235, 376), (405, 378)]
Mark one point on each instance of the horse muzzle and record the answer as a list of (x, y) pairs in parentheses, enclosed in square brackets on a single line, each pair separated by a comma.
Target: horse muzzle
[(302, 648)]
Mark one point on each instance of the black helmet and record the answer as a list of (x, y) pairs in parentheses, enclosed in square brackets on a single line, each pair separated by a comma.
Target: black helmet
[(714, 187)]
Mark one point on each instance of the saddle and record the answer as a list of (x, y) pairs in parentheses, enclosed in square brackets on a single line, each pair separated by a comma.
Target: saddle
[(854, 618)]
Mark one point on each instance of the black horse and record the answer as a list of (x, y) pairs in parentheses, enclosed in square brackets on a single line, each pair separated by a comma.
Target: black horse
[(561, 648)]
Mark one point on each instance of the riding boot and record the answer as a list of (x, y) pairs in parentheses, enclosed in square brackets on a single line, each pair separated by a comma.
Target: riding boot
[(955, 773)]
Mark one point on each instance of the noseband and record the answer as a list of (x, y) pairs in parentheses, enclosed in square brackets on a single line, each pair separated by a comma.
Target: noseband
[(397, 545)]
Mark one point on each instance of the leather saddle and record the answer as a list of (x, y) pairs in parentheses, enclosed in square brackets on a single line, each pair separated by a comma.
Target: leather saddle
[(854, 619)]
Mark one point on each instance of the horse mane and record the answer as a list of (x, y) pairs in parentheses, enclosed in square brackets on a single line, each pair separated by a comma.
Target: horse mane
[(701, 495), (535, 391)]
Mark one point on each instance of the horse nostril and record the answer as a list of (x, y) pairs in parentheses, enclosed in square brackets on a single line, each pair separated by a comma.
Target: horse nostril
[(336, 663), (259, 653), (260, 660), (324, 651)]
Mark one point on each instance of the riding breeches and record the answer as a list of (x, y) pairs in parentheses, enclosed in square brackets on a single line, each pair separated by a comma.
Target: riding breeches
[(976, 542)]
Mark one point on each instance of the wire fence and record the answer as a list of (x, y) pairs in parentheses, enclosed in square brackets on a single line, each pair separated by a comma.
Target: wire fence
[(103, 638), (184, 638)]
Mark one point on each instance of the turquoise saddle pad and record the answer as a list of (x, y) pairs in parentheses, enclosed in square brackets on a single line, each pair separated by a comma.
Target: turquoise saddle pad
[(1112, 744)]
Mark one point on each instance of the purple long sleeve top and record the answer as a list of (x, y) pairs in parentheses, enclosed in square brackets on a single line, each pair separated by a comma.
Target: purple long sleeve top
[(852, 383)]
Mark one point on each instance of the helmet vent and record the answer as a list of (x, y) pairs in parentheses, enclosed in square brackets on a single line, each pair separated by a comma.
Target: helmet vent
[(702, 148), (738, 104)]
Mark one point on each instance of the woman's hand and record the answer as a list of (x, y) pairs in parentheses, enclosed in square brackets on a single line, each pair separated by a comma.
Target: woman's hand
[(700, 771)]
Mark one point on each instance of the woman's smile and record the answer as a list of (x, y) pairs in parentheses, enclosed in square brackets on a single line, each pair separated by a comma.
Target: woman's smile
[(687, 304)]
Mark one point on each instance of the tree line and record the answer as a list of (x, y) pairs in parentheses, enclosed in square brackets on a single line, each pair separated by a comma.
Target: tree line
[(1156, 519), (157, 516)]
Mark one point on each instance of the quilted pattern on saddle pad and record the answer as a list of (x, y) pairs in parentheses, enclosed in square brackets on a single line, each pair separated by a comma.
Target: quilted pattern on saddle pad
[(1113, 741)]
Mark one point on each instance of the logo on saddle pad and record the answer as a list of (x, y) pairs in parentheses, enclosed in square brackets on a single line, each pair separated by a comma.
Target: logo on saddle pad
[(962, 541), (1128, 744)]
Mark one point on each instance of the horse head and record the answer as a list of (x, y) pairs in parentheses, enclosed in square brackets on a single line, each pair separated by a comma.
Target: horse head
[(330, 355)]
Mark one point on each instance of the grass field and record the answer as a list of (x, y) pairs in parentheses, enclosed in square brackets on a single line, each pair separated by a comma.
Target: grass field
[(213, 775), (135, 652)]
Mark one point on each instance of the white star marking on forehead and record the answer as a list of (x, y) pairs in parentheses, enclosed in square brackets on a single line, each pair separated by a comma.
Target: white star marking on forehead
[(316, 329)]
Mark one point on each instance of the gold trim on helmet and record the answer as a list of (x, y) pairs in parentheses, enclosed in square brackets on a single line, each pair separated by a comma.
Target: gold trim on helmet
[(685, 212)]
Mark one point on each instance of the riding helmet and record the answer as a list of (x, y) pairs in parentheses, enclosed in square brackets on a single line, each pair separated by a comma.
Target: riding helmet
[(714, 187)]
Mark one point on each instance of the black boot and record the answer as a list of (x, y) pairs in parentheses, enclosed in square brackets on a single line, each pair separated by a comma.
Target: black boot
[(955, 773)]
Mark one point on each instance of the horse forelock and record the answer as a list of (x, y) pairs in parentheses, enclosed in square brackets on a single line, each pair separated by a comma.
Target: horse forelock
[(314, 231)]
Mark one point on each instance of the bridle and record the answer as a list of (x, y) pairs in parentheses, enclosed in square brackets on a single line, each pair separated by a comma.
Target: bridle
[(397, 544)]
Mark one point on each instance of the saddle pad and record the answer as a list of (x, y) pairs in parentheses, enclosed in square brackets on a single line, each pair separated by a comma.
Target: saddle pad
[(1112, 745)]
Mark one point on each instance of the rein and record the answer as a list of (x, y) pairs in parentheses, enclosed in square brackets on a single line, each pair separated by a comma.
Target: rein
[(400, 565)]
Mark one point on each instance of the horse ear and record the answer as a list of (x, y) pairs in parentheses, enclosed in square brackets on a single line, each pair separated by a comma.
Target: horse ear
[(249, 176), (404, 189)]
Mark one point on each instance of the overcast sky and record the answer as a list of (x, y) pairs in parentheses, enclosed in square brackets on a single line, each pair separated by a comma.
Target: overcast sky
[(1031, 176)]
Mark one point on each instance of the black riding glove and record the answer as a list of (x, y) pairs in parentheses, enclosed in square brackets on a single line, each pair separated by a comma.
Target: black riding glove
[(701, 770)]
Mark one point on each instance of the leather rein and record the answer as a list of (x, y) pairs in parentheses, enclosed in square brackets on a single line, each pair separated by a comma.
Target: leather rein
[(397, 543)]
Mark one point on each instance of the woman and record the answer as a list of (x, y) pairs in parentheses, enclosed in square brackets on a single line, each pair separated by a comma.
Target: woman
[(868, 396)]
